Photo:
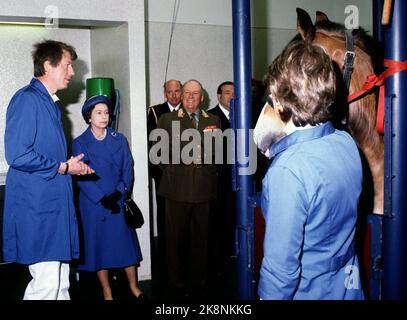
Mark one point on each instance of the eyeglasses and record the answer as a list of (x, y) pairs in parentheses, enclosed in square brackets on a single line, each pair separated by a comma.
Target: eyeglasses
[(270, 100)]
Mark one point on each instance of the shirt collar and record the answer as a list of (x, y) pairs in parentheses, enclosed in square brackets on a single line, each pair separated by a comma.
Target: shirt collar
[(54, 97), (290, 128), (197, 112), (225, 111), (172, 108), (302, 135)]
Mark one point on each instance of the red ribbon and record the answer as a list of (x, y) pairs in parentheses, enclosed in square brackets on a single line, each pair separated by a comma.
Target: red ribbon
[(372, 81)]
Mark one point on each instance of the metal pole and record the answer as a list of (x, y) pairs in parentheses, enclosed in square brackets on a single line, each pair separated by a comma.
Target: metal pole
[(242, 108), (394, 284), (377, 20), (374, 221)]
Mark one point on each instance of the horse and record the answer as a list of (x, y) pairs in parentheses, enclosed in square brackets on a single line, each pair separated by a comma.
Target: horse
[(361, 114)]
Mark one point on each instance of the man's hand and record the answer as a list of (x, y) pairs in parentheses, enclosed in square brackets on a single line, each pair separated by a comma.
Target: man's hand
[(78, 167)]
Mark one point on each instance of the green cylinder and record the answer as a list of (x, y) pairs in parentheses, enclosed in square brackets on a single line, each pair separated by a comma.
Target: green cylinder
[(100, 87)]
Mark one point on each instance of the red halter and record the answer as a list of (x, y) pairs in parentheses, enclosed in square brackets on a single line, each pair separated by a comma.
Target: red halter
[(378, 81)]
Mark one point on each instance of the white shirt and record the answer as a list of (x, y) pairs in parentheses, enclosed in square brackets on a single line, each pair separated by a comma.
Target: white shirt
[(225, 111), (290, 128), (53, 96), (173, 108)]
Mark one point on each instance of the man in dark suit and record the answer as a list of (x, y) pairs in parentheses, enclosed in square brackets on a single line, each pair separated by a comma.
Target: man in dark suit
[(189, 184), (223, 217), (172, 94)]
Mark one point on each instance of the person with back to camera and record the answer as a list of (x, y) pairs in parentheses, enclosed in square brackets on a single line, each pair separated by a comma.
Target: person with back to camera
[(40, 227), (107, 240), (311, 190)]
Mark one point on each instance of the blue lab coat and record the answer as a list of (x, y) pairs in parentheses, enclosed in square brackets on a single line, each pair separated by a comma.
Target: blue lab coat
[(39, 218), (309, 201), (107, 241)]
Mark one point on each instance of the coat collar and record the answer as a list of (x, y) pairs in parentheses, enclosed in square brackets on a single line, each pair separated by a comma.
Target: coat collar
[(301, 136), (38, 85), (88, 135)]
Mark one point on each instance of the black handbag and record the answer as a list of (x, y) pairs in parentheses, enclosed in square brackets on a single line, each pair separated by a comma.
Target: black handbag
[(132, 213)]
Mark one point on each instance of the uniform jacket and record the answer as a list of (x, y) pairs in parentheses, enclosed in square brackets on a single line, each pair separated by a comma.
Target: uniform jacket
[(39, 217), (107, 241), (309, 201), (188, 183)]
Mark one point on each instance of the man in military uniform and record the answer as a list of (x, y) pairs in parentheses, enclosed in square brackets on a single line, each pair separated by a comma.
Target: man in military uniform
[(188, 189)]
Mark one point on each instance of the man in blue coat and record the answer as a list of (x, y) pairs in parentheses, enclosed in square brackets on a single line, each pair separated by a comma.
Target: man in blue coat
[(40, 226), (311, 190)]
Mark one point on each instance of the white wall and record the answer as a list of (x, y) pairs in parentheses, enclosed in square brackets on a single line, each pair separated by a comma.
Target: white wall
[(17, 70), (202, 40), (279, 14)]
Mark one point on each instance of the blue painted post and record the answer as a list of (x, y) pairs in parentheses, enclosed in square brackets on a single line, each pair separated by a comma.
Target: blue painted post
[(394, 284), (242, 107), (373, 220), (377, 20)]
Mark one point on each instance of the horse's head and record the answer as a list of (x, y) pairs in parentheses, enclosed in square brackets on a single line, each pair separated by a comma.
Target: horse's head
[(361, 115), (331, 36)]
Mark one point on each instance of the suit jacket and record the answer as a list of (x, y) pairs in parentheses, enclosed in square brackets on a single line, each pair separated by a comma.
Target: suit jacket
[(183, 182), (154, 113), (225, 123), (225, 175)]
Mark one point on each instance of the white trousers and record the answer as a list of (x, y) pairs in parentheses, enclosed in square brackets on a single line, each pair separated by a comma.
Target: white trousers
[(50, 281)]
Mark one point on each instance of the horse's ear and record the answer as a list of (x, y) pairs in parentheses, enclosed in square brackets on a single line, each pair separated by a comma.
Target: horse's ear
[(320, 16), (305, 26)]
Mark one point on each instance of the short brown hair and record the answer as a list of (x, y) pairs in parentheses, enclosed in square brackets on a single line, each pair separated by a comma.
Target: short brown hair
[(52, 51), (226, 83), (303, 80)]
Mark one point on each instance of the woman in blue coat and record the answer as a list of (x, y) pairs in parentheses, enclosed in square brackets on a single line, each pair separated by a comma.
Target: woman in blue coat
[(107, 241)]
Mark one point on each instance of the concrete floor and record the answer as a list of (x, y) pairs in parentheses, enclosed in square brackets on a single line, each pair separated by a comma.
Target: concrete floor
[(85, 287)]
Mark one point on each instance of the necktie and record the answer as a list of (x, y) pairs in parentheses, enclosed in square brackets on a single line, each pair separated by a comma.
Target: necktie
[(193, 120)]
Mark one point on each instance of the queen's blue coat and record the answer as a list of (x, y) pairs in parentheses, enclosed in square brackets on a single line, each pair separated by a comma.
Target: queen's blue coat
[(39, 217), (309, 201), (107, 241)]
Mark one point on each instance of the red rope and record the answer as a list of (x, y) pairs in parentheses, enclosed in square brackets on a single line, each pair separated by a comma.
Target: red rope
[(372, 81)]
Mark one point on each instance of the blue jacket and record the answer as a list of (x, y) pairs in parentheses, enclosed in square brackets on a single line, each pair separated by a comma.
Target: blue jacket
[(107, 241), (309, 201), (39, 216)]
